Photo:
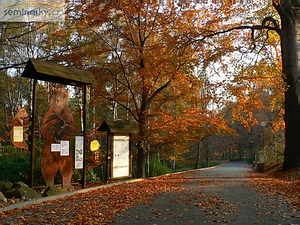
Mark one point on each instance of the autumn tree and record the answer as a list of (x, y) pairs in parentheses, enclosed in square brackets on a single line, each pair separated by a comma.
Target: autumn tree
[(143, 55), (257, 70), (288, 12), (286, 30), (188, 118)]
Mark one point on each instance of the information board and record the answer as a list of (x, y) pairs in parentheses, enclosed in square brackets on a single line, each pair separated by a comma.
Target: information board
[(121, 156), (79, 152), (18, 134)]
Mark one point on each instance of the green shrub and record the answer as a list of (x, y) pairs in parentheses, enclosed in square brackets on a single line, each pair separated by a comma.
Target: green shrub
[(91, 177), (182, 165), (157, 168), (210, 164), (17, 168)]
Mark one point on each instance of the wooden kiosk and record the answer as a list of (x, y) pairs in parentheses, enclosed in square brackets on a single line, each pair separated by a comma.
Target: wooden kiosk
[(118, 147), (51, 72)]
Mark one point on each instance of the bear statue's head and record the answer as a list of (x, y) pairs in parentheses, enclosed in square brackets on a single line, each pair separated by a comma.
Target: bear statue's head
[(59, 100)]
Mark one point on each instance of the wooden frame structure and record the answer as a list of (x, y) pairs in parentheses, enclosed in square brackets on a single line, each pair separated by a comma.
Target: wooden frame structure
[(51, 72), (122, 129)]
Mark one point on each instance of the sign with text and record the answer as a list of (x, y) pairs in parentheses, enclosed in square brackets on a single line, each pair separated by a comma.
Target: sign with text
[(64, 148), (55, 147), (121, 157), (32, 10), (79, 152), (18, 134)]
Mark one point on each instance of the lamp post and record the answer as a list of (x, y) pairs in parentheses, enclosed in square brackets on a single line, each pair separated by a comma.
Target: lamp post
[(252, 151), (263, 123), (261, 159)]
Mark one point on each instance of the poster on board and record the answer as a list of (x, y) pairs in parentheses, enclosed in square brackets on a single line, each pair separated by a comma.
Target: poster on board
[(55, 147), (64, 148), (79, 152), (121, 156), (18, 134)]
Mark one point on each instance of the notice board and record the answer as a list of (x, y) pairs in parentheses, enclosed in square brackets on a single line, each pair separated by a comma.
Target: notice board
[(120, 156)]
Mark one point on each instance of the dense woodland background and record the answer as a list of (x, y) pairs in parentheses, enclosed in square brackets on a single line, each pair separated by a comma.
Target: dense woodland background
[(198, 93)]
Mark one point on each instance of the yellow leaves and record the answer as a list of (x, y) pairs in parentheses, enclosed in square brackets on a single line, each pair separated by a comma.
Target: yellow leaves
[(259, 94), (205, 123)]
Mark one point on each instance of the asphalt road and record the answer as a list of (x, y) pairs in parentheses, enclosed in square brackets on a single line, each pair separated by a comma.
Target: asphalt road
[(220, 195)]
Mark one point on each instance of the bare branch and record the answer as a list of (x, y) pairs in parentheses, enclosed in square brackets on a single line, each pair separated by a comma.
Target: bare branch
[(252, 28), (274, 22)]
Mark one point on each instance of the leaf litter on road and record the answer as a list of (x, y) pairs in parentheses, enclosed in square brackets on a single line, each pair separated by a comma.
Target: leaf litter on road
[(101, 205), (94, 207)]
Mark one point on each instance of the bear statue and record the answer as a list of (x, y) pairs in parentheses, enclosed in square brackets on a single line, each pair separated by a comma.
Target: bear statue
[(57, 125)]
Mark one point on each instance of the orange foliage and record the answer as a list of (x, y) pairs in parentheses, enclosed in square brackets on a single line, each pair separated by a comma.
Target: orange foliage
[(259, 89), (144, 57)]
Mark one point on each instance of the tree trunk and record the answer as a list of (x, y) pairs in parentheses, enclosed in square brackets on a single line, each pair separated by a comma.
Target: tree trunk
[(207, 158), (141, 160), (198, 156), (289, 50)]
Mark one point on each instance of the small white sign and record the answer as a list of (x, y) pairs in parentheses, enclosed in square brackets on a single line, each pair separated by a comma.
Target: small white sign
[(18, 134), (55, 147), (79, 152), (64, 148)]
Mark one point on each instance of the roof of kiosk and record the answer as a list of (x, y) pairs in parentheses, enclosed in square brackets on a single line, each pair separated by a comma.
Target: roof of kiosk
[(52, 72), (119, 126)]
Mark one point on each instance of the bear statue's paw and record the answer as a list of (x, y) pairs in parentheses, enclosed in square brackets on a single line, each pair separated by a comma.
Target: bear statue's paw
[(68, 187)]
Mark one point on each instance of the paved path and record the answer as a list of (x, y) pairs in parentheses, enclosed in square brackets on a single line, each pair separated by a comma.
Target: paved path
[(214, 196)]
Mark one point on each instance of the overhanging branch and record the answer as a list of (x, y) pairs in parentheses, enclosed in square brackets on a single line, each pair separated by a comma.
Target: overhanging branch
[(263, 26)]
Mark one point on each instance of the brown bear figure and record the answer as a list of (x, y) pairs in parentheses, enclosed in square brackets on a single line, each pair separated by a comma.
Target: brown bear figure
[(20, 119), (57, 124)]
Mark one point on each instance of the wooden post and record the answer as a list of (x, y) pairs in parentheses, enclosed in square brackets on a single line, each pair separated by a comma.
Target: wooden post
[(84, 135), (32, 136), (107, 156)]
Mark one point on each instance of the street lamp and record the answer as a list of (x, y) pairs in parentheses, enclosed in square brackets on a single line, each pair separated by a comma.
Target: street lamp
[(251, 154), (260, 160), (263, 123), (252, 151), (262, 133)]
